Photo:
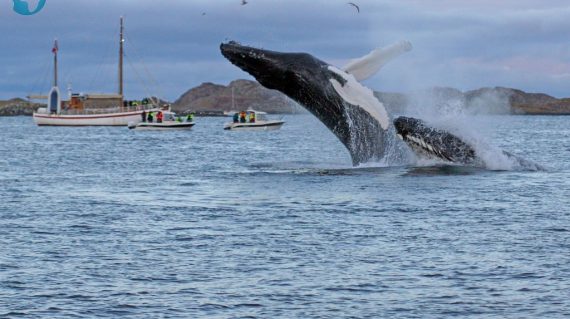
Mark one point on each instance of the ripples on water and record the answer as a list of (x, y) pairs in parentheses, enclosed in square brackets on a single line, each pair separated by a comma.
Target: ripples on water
[(106, 222)]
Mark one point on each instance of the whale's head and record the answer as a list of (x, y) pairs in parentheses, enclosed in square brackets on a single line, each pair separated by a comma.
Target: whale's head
[(286, 72)]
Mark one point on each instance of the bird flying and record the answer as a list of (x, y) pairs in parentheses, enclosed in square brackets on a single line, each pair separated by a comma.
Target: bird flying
[(354, 5)]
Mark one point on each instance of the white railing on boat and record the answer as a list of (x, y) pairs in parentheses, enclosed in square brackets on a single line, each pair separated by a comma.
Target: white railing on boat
[(108, 110)]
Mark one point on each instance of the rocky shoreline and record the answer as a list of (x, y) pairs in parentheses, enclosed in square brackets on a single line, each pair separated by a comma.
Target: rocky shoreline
[(209, 99), (17, 107)]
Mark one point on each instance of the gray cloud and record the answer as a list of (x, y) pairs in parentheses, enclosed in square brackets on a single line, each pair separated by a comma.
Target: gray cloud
[(464, 44)]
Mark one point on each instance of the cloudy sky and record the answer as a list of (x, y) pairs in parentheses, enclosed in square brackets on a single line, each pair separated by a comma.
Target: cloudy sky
[(173, 45)]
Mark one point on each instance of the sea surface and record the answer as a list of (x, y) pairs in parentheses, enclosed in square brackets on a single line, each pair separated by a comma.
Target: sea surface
[(103, 222)]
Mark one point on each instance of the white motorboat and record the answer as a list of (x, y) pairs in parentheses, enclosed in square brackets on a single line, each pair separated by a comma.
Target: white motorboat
[(253, 121), (92, 109), (170, 122)]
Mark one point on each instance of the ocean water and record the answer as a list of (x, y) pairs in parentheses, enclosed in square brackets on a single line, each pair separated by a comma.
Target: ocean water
[(103, 222)]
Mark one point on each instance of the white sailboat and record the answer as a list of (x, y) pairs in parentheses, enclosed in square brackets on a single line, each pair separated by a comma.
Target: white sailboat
[(91, 109)]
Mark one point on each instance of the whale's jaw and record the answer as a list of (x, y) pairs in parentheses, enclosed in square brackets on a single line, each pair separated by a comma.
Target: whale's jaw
[(325, 91), (433, 143)]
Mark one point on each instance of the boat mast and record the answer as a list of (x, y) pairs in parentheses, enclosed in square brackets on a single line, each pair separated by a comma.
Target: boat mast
[(121, 54), (54, 50)]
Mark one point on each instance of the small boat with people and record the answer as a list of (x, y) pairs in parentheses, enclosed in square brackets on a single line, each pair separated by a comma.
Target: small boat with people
[(162, 121), (251, 120)]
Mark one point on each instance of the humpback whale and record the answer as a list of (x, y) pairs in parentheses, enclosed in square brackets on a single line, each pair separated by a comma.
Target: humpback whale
[(433, 143), (346, 107)]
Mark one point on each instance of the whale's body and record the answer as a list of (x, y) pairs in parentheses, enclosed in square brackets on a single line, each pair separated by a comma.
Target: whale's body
[(433, 143), (334, 96)]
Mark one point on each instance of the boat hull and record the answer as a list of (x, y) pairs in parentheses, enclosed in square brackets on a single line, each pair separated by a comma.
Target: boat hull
[(260, 126), (107, 119), (164, 126)]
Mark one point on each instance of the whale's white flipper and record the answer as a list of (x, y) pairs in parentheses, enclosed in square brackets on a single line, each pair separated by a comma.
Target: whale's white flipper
[(366, 66)]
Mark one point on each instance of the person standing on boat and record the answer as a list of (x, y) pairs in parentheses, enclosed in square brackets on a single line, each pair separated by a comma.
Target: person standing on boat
[(236, 117), (159, 117), (252, 117), (242, 117), (143, 116), (150, 117), (190, 117)]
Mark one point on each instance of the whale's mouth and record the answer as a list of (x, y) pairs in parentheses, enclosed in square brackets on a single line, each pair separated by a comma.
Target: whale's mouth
[(426, 140), (407, 129), (405, 125)]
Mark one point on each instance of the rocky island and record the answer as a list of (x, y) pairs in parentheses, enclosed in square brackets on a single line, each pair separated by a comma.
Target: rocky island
[(17, 106), (210, 98)]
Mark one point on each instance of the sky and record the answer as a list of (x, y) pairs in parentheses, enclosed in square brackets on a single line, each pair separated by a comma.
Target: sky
[(173, 45)]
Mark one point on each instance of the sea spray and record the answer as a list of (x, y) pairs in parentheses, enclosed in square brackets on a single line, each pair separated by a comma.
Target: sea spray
[(473, 131), (464, 115)]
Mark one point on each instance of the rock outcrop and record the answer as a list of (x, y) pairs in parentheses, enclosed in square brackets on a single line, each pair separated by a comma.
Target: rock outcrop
[(17, 106), (209, 97)]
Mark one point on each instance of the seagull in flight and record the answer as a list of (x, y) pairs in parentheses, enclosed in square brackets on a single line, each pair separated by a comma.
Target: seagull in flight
[(352, 4), (243, 2)]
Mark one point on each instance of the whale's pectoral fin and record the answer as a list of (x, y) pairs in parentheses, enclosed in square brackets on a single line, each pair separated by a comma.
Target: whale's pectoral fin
[(368, 65)]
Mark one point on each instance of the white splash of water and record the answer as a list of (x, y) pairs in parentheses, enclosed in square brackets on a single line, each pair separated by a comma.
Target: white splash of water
[(474, 131), (451, 103)]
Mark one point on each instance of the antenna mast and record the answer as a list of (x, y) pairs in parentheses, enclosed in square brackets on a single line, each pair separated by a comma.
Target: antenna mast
[(121, 54), (54, 50)]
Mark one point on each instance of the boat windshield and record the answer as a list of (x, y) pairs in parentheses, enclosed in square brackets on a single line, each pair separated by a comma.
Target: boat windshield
[(169, 116)]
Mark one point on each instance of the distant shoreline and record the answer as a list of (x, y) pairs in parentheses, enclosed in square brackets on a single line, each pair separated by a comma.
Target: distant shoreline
[(209, 99)]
